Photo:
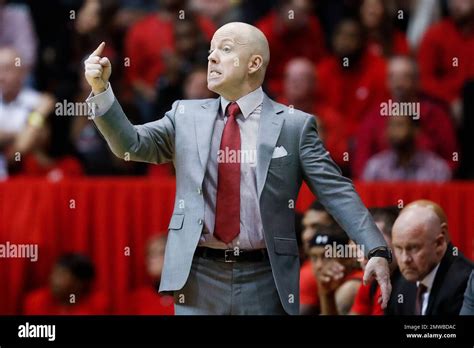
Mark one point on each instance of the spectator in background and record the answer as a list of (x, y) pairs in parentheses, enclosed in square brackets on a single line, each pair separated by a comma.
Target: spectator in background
[(190, 50), (435, 275), (41, 162), (315, 217), (219, 11), (466, 170), (352, 77), (338, 274), (436, 133), (299, 88), (446, 55), (147, 43), (195, 84), (95, 23), (292, 31), (404, 160), (131, 11), (146, 300), (17, 31), (367, 300), (22, 110), (383, 38), (69, 291)]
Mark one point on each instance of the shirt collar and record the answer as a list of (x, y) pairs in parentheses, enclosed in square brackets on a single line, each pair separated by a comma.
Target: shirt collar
[(429, 279), (247, 104)]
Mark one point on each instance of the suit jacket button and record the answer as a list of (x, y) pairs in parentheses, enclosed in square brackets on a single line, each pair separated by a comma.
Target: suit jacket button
[(200, 221), (199, 190)]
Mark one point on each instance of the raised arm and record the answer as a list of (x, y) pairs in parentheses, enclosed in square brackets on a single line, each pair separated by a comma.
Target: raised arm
[(152, 142)]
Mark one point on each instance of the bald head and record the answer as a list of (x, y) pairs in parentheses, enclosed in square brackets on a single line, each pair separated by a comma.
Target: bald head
[(442, 220), (419, 218), (248, 36), (430, 205), (238, 58), (418, 240)]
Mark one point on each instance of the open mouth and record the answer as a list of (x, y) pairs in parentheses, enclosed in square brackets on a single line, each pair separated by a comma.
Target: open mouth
[(214, 73)]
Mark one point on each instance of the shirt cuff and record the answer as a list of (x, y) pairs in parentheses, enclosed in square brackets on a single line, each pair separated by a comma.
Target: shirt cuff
[(101, 103)]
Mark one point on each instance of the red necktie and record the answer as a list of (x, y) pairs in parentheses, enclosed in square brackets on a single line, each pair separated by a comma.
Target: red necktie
[(228, 179)]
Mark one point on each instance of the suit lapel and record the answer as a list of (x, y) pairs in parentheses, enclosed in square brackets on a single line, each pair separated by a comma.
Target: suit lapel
[(439, 279), (268, 133), (204, 125)]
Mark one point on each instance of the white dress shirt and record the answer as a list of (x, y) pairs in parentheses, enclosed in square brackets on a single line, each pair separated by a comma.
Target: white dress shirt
[(428, 282)]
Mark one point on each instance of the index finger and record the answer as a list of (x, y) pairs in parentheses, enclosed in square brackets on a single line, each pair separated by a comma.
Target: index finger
[(98, 50)]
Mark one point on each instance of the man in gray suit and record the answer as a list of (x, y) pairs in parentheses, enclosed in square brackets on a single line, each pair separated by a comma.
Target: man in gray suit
[(240, 160)]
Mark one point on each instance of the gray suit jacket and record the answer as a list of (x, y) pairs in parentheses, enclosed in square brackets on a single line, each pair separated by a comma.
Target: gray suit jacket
[(183, 136)]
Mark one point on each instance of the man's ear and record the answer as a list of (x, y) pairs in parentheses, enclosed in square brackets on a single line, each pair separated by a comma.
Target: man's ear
[(441, 242), (255, 63), (444, 230)]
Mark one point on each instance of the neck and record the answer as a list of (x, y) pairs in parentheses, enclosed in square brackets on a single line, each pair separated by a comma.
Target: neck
[(234, 96)]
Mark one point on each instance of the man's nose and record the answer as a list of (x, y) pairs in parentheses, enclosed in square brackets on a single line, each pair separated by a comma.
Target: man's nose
[(213, 57), (406, 257)]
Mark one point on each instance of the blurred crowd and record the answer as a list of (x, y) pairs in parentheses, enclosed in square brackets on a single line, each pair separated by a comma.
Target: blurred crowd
[(70, 289), (390, 82)]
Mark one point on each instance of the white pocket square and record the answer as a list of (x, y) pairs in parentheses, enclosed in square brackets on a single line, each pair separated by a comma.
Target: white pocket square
[(279, 151)]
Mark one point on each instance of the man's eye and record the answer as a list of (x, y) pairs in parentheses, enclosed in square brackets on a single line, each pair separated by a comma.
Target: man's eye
[(226, 49)]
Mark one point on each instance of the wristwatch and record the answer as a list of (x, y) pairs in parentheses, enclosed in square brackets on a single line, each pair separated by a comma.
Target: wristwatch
[(381, 251)]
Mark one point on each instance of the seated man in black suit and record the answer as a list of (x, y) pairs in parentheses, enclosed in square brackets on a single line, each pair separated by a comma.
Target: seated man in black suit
[(434, 273)]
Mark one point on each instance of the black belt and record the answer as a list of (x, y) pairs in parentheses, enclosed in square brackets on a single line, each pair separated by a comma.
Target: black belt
[(232, 255)]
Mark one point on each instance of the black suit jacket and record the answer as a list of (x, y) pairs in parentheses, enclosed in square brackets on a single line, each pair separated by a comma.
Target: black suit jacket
[(447, 293)]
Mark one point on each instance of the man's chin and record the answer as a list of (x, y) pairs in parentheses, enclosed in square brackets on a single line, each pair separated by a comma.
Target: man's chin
[(213, 87)]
